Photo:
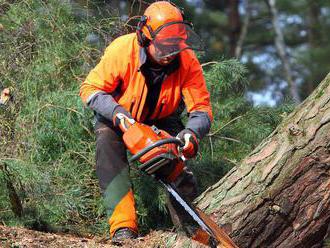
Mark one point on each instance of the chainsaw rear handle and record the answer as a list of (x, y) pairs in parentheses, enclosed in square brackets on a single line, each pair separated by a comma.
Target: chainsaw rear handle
[(138, 155)]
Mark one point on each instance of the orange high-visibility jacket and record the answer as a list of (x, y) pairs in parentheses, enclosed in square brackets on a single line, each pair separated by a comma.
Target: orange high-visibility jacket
[(118, 74)]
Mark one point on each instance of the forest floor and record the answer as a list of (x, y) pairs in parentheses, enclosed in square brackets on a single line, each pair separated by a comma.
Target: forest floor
[(17, 237)]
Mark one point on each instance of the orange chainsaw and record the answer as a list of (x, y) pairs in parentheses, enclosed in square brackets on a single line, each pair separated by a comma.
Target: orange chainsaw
[(155, 149)]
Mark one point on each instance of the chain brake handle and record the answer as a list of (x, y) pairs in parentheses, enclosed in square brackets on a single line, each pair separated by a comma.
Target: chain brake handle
[(145, 150)]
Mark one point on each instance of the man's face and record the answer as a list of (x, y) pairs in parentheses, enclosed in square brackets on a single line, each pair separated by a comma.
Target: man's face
[(171, 39), (157, 58)]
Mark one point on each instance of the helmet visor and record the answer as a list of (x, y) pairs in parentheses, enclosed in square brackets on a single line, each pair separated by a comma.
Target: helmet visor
[(172, 38)]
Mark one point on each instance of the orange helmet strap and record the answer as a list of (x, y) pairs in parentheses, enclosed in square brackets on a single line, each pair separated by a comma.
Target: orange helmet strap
[(153, 34)]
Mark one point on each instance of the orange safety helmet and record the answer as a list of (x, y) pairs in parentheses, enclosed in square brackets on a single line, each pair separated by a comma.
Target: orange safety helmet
[(163, 26), (158, 14)]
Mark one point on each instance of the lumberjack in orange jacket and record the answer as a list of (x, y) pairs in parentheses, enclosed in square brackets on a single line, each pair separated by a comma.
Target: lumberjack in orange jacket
[(119, 75), (146, 75)]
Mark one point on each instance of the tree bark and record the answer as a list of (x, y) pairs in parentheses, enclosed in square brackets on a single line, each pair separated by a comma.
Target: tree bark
[(280, 194), (281, 49)]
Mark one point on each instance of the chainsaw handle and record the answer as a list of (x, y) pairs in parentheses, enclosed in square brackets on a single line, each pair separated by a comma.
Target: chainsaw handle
[(125, 122), (154, 145)]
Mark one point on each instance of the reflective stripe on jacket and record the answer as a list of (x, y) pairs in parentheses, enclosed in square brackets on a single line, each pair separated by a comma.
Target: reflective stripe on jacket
[(118, 74)]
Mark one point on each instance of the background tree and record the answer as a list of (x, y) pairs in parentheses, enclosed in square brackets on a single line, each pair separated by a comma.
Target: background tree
[(269, 84), (281, 49)]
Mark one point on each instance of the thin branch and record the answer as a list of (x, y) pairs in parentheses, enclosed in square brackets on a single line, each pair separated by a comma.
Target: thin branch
[(130, 19), (209, 63), (3, 159), (228, 123), (211, 145), (230, 139), (49, 105), (231, 161)]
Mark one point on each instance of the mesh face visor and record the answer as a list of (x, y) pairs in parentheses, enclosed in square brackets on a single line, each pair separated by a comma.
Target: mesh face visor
[(174, 37)]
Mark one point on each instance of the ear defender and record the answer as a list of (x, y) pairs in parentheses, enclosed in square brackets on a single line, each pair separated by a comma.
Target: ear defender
[(142, 39)]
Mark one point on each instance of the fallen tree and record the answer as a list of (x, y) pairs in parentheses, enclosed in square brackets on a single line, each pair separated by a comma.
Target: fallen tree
[(279, 196)]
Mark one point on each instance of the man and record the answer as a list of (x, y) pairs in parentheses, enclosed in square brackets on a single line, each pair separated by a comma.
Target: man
[(146, 75)]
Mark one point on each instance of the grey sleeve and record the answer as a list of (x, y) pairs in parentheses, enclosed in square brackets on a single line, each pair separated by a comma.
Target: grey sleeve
[(103, 104), (199, 122)]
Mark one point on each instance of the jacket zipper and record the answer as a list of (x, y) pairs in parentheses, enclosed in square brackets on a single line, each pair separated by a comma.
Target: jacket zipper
[(161, 108), (138, 108), (132, 105)]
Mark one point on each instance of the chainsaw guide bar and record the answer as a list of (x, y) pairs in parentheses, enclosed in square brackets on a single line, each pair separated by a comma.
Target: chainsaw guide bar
[(213, 235)]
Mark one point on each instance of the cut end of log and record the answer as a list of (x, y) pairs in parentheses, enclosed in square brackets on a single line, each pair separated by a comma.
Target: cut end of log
[(5, 96)]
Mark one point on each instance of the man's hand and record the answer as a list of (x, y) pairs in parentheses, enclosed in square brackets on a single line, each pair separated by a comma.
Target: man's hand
[(120, 109), (190, 148)]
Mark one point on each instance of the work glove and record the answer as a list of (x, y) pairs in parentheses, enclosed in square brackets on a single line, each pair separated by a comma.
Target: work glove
[(190, 148), (119, 109)]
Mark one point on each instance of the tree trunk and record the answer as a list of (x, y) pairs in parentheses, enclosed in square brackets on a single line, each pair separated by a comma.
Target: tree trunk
[(243, 33), (234, 25), (314, 34), (281, 49), (314, 41), (280, 194)]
